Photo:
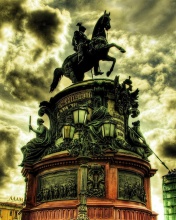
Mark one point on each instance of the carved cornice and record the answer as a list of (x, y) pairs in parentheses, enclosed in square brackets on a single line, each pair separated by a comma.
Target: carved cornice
[(139, 164), (87, 84), (27, 169), (53, 164), (119, 160)]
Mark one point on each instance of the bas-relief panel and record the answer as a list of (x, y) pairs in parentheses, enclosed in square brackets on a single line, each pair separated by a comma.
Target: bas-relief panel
[(131, 186), (57, 186)]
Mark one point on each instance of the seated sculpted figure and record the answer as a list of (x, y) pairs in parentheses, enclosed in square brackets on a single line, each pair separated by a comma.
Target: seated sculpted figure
[(35, 148), (99, 114), (136, 138)]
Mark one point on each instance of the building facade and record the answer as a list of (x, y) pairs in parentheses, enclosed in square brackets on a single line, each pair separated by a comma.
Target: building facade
[(10, 211), (169, 195)]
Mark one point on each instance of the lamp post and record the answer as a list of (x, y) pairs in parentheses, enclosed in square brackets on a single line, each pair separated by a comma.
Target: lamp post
[(82, 209), (108, 131), (80, 117)]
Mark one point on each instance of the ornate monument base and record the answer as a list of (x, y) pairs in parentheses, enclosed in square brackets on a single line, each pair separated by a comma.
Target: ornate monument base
[(113, 182), (95, 166)]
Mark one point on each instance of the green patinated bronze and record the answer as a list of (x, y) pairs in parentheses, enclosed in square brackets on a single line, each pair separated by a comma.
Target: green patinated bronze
[(89, 53), (125, 104), (97, 97), (34, 149)]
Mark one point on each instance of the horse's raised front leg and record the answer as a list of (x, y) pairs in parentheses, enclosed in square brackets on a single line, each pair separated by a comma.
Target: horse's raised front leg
[(119, 48), (108, 58), (108, 46)]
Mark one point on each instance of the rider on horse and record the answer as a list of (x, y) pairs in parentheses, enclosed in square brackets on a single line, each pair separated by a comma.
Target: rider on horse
[(90, 52), (80, 42)]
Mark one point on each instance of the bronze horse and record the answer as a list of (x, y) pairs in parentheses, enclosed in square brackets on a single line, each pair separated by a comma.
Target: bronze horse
[(97, 50)]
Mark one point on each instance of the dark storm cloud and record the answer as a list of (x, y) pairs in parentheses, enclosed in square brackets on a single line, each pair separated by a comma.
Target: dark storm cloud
[(44, 24), (30, 48), (25, 85), (41, 23), (83, 11), (171, 79), (8, 142), (168, 148), (13, 13), (37, 53)]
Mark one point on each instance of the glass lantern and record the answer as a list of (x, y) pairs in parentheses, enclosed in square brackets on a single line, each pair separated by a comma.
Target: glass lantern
[(68, 131), (80, 115), (108, 129)]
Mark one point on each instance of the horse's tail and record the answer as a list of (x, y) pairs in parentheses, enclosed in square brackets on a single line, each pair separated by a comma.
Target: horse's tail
[(58, 73)]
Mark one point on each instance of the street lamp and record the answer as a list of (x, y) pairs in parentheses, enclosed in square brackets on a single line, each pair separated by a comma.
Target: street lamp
[(108, 128), (68, 131), (80, 115), (79, 118)]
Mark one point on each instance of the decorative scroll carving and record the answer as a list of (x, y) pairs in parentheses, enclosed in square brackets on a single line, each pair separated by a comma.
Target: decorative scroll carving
[(57, 186), (131, 187), (96, 181), (125, 100)]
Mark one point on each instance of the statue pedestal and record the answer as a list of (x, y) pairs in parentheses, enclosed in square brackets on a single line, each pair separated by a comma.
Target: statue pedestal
[(96, 165), (110, 186)]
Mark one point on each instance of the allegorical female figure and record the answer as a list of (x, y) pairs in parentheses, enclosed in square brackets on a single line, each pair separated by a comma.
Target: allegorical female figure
[(35, 148), (137, 139)]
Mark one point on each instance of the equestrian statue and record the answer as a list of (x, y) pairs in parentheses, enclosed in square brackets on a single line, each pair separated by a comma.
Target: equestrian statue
[(88, 53)]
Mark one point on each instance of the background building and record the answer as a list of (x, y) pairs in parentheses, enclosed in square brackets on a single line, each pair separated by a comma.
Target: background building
[(10, 211), (169, 195)]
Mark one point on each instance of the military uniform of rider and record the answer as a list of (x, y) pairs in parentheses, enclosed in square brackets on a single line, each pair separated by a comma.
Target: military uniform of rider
[(80, 41)]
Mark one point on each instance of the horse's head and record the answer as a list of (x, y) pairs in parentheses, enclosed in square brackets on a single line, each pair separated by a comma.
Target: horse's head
[(106, 21), (102, 24)]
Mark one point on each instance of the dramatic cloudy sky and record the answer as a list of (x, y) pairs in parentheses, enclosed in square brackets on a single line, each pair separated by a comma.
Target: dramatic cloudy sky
[(35, 38)]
